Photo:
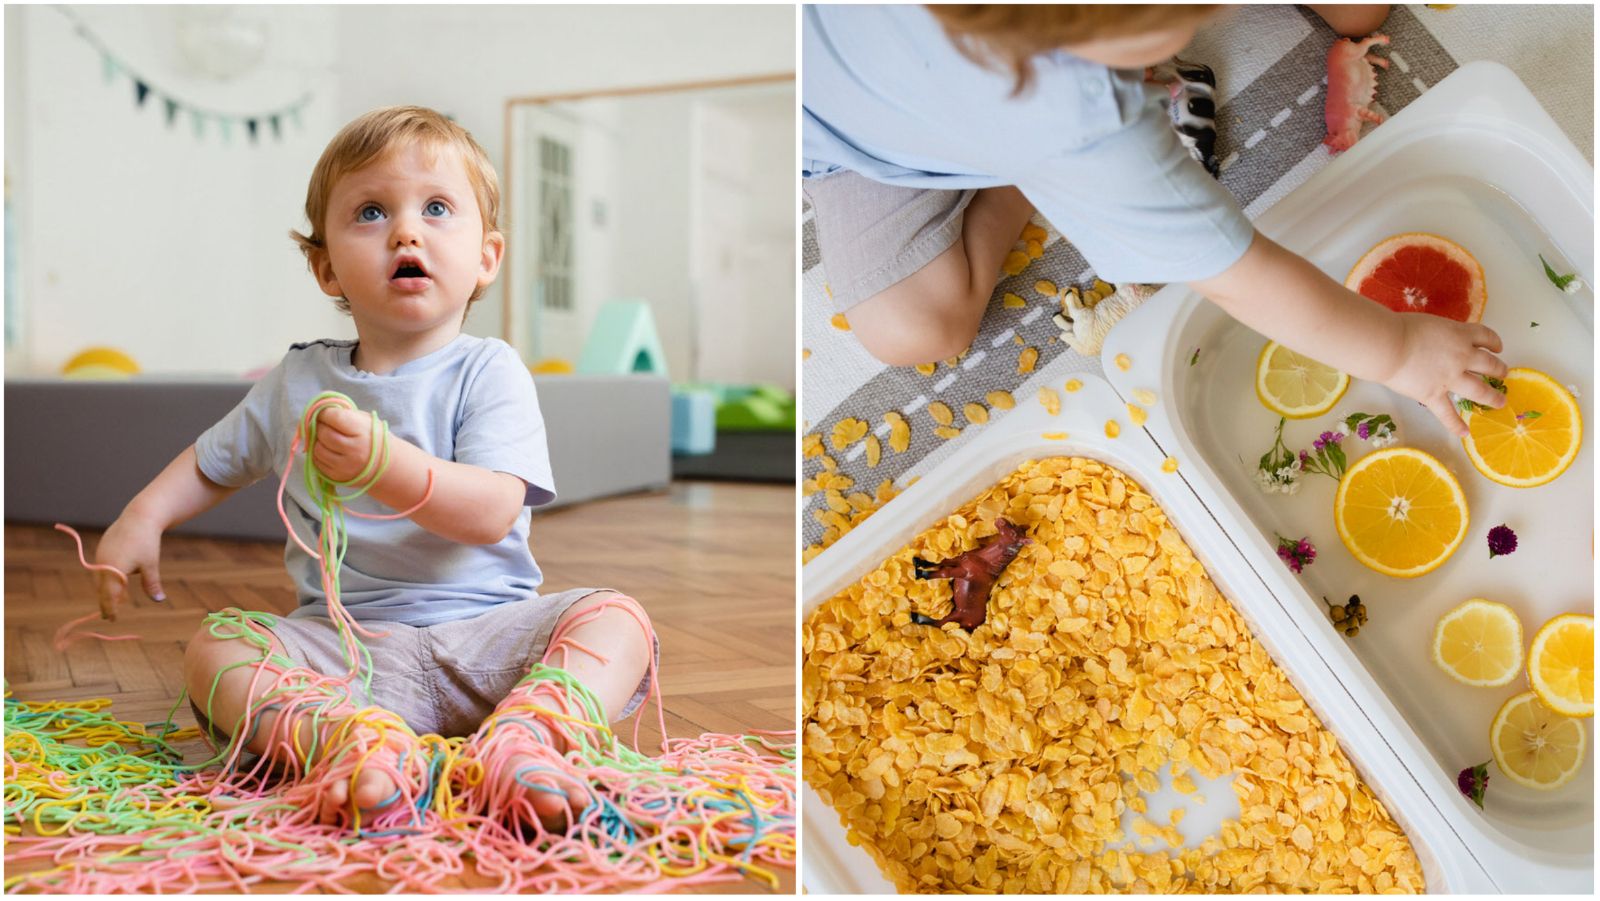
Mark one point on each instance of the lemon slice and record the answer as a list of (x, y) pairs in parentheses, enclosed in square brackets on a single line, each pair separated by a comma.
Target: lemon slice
[(1535, 746), (1296, 386), (1400, 512), (1479, 643), (1561, 664), (1535, 448)]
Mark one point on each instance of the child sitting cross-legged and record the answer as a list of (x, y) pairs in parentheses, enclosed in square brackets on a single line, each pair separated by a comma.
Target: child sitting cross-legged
[(441, 426)]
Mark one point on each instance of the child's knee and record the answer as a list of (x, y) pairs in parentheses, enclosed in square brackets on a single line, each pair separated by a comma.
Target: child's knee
[(937, 325)]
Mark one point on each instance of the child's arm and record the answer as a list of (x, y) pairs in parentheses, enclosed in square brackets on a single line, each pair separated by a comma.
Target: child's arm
[(133, 543), (1421, 356), (470, 504)]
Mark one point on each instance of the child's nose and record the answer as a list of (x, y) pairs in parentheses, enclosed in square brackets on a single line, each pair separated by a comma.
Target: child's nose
[(406, 231)]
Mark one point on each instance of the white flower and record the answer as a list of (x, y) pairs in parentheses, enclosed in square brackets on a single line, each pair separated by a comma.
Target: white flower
[(1574, 390), (1573, 286), (1385, 439)]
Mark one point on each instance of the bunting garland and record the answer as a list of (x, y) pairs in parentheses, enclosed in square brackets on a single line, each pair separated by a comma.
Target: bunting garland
[(201, 120)]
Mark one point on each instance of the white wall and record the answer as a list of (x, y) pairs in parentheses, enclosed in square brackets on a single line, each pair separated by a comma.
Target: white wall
[(177, 250), (476, 56), (134, 235)]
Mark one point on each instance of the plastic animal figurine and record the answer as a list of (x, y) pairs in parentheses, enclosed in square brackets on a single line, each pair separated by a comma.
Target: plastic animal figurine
[(1352, 86), (972, 574), (1084, 322), (1193, 89)]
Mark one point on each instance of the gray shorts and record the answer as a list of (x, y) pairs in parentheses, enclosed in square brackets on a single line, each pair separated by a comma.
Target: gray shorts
[(872, 235), (446, 678)]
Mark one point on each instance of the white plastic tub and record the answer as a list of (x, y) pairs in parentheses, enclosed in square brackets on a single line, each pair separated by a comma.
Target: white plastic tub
[(1475, 160), (830, 865)]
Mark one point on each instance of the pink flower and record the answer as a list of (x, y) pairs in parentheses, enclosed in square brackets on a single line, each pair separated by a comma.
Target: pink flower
[(1297, 553)]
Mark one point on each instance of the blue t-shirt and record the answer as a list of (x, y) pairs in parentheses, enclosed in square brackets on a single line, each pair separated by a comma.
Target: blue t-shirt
[(887, 94), (471, 401)]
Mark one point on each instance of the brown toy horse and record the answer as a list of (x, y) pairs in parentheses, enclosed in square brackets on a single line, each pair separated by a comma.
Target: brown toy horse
[(973, 575)]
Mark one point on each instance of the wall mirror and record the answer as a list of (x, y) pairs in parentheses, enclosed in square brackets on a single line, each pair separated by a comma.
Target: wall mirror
[(682, 196)]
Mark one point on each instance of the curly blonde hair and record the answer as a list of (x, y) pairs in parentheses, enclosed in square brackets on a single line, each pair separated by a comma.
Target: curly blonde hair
[(375, 135), (1012, 35)]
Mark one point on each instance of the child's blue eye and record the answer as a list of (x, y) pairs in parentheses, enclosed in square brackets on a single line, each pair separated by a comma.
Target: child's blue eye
[(369, 213), (436, 208)]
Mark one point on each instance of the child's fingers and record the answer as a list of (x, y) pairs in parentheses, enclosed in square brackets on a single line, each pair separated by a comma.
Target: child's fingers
[(1445, 412), (341, 420), (112, 592), (1478, 391), (1485, 337), (150, 577), (1488, 364)]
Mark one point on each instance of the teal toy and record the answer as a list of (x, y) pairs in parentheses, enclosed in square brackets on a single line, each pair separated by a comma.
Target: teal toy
[(623, 341)]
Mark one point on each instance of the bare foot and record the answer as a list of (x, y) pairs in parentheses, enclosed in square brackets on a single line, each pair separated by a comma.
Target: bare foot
[(355, 760), (525, 769)]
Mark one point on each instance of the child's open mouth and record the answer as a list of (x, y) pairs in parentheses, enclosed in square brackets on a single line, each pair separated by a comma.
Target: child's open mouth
[(409, 275)]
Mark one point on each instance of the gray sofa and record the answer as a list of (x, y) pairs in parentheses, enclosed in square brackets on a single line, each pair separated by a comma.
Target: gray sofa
[(77, 451)]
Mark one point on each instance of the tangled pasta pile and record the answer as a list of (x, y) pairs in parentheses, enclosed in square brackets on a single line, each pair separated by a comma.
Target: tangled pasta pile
[(1003, 760)]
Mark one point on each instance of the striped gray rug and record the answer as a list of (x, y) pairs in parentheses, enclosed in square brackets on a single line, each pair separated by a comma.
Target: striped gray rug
[(1270, 63)]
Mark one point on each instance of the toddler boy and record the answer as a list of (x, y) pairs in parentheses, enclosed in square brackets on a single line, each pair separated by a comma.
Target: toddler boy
[(403, 208), (930, 135)]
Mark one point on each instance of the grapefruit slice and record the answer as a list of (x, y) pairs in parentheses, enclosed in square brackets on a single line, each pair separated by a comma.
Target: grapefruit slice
[(1421, 273)]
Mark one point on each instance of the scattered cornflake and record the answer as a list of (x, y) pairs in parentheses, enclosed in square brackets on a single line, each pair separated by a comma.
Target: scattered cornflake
[(1051, 400), (1170, 464), (874, 451), (840, 323), (1013, 301), (940, 413), (946, 432), (1176, 816), (1073, 385), (1137, 414), (1017, 340), (977, 414), (899, 431), (1016, 261), (927, 368), (847, 432), (805, 353), (1113, 429), (951, 362), (1035, 250), (1033, 232), (1145, 396), (1045, 287), (1002, 760), (1122, 361), (1054, 436), (811, 446), (1104, 288), (1026, 359), (1001, 400)]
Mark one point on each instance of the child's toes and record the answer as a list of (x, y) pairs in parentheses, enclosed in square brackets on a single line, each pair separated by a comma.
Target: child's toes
[(375, 791)]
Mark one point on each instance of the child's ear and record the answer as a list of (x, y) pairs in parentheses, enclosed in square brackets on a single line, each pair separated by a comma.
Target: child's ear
[(321, 266), (494, 249)]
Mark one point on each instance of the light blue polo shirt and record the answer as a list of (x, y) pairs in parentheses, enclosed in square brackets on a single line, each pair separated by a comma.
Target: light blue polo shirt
[(472, 401), (886, 93)]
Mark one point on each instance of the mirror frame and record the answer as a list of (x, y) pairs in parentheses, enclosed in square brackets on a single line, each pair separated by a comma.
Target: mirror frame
[(508, 176)]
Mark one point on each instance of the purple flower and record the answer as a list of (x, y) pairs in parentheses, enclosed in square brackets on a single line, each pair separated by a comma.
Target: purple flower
[(1298, 554), (1363, 430), (1327, 438), (1304, 458), (1501, 541), (1473, 781)]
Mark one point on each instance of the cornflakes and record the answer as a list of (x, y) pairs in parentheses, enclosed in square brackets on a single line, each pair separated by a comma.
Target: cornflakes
[(941, 414), (1013, 301), (1045, 287), (874, 451), (1051, 400), (899, 431), (1001, 760), (1015, 262), (1000, 400), (1137, 414), (977, 414), (839, 322), (1073, 385), (1144, 396), (1026, 359), (927, 368), (1123, 362), (847, 432)]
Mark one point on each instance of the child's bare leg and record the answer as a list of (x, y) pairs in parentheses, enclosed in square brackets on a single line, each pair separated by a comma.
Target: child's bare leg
[(207, 655), (1352, 20), (517, 771), (934, 313)]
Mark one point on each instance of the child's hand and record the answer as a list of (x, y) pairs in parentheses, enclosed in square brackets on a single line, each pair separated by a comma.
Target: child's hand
[(1439, 356), (344, 442), (133, 545)]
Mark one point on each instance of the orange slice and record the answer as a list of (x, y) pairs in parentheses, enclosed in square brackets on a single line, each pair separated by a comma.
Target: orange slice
[(1535, 746), (1530, 440), (1561, 664), (1400, 512)]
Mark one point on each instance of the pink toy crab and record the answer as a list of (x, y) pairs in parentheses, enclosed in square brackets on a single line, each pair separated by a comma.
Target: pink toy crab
[(1352, 85)]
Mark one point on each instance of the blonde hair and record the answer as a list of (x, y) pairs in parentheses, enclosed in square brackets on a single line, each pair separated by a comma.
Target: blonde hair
[(1012, 35), (371, 138)]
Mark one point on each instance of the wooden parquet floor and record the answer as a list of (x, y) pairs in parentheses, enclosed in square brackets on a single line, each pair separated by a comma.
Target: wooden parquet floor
[(712, 563)]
